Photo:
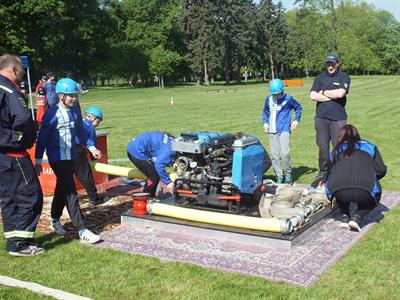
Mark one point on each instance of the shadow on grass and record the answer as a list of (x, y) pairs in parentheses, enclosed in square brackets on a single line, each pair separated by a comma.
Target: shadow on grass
[(51, 240), (300, 171)]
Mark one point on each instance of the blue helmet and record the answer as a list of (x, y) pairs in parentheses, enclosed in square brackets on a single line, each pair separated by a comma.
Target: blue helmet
[(95, 111), (66, 86), (276, 86)]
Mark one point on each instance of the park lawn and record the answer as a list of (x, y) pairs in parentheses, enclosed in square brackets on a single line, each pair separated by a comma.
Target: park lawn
[(373, 106), (368, 271)]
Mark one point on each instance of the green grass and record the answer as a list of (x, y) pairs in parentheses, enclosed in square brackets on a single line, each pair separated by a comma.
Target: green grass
[(369, 271), (372, 106)]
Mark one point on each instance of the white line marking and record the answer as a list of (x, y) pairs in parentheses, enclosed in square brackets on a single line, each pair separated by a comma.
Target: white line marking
[(38, 288)]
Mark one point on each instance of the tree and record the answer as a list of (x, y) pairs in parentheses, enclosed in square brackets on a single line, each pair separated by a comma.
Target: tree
[(201, 23), (163, 62)]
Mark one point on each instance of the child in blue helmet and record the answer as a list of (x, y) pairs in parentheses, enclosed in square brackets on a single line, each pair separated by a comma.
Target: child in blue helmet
[(277, 121), (82, 169), (61, 124), (151, 153)]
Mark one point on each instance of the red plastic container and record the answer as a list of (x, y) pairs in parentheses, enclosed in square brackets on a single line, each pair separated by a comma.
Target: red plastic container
[(140, 203)]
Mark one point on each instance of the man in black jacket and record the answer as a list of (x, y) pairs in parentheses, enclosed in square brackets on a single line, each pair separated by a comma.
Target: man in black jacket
[(20, 192), (329, 91)]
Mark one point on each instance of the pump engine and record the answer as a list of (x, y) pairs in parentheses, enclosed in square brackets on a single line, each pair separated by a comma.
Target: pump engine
[(218, 170)]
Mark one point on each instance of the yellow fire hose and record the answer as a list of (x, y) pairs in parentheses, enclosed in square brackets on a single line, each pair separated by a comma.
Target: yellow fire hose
[(116, 170), (273, 224)]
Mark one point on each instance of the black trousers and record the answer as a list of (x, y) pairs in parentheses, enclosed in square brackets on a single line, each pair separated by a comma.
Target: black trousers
[(365, 202), (21, 200), (65, 193), (148, 169), (326, 133), (83, 172)]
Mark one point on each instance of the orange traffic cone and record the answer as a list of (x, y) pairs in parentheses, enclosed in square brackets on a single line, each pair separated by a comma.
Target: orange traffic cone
[(40, 105)]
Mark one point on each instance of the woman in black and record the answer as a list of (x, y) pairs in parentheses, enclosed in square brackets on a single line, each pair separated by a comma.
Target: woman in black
[(355, 168)]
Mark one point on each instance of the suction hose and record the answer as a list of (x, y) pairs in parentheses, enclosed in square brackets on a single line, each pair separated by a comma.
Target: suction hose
[(116, 170), (273, 225)]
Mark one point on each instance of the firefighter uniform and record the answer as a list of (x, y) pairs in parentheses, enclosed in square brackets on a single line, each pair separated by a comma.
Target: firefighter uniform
[(20, 193)]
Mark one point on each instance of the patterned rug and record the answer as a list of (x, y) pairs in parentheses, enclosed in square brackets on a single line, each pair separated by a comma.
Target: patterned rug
[(324, 244)]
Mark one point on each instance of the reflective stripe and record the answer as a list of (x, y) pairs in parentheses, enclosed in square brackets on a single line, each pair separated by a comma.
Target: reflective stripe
[(19, 233), (24, 234), (6, 89), (9, 234)]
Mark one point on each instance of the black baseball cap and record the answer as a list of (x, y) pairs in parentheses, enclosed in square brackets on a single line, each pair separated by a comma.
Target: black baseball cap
[(332, 58)]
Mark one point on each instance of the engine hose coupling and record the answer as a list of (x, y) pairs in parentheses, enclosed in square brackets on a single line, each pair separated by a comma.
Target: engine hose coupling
[(297, 220), (286, 225)]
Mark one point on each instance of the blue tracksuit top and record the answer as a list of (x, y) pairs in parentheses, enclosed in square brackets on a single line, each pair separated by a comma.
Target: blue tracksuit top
[(154, 146), (58, 132), (277, 114), (50, 89), (89, 133)]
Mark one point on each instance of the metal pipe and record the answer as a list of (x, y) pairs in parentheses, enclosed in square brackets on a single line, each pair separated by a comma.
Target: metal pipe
[(273, 224), (116, 170)]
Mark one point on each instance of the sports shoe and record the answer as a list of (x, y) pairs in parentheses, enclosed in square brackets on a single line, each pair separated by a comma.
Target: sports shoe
[(288, 179), (88, 237), (28, 251), (279, 180), (317, 180), (355, 223), (343, 220), (57, 227), (99, 200)]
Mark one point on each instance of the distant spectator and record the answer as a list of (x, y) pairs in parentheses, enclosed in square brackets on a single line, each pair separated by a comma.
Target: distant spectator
[(40, 84), (81, 91), (50, 89)]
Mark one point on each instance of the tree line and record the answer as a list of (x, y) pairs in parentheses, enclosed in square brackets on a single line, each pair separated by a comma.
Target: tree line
[(152, 41)]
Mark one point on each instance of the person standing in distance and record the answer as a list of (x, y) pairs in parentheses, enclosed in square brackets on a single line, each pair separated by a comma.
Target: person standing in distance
[(21, 196), (329, 91)]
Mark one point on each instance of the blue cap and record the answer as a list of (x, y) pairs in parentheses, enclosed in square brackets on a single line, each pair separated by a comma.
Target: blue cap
[(332, 58)]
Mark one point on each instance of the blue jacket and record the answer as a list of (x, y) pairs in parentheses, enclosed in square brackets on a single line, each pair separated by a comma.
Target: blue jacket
[(50, 89), (58, 132), (89, 135), (17, 129), (278, 114), (362, 170), (156, 147)]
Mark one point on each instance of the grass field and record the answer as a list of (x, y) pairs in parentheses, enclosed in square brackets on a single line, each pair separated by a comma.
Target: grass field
[(369, 271)]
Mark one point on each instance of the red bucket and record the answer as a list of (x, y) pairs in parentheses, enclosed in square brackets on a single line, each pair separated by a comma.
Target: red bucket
[(140, 203)]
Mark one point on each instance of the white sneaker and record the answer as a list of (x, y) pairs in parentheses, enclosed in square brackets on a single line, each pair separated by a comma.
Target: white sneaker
[(88, 237), (57, 227), (28, 251)]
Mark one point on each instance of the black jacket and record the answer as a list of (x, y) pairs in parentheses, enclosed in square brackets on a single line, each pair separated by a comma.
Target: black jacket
[(17, 129), (362, 170)]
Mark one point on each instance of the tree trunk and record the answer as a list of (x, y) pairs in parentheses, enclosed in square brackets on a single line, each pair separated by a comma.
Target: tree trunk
[(162, 81), (307, 73), (334, 26), (264, 75), (246, 75), (206, 82), (272, 66)]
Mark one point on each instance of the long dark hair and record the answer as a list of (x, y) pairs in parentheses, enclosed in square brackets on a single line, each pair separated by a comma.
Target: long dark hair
[(348, 136)]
